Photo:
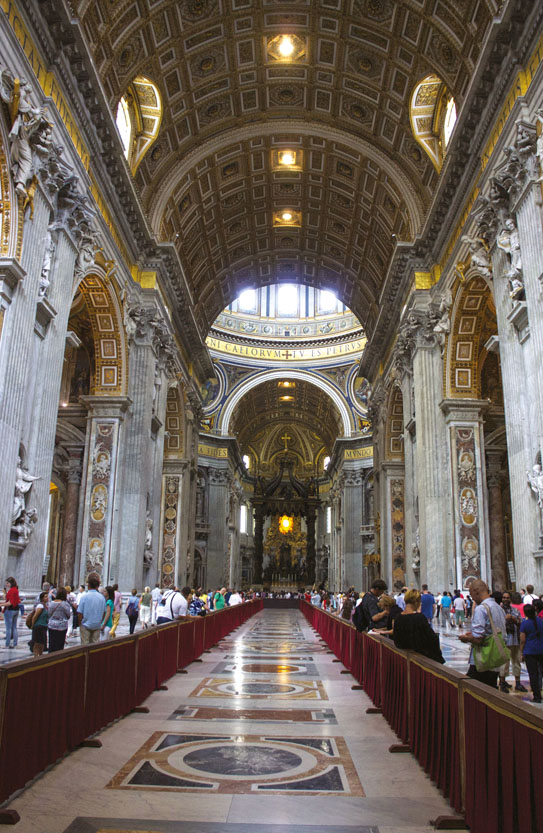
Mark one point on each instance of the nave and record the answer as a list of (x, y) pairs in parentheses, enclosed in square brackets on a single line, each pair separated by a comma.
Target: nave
[(265, 721)]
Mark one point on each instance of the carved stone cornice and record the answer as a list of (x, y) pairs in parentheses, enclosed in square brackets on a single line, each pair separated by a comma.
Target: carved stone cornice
[(219, 477)]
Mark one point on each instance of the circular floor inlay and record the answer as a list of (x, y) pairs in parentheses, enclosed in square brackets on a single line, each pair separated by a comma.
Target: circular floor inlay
[(242, 760)]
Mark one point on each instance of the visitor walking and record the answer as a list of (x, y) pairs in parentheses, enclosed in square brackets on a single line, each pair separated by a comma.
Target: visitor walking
[(60, 614), (90, 611), (11, 612), (531, 643), (132, 609), (145, 607)]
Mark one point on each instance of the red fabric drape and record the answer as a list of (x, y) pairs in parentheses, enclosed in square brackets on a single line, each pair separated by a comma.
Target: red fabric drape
[(504, 770), (186, 649), (434, 729), (372, 669), (43, 717), (167, 647), (394, 702), (110, 683), (148, 663)]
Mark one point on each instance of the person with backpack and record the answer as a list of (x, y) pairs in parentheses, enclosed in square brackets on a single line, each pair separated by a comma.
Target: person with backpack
[(132, 609), (174, 605), (368, 614)]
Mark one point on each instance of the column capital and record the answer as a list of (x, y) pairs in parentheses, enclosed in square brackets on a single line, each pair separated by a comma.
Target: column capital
[(112, 407), (464, 410)]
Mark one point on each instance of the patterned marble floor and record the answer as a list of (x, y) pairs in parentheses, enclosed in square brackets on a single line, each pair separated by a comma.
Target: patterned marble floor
[(241, 743)]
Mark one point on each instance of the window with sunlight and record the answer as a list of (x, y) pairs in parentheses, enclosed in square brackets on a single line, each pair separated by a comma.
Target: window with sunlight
[(328, 520), (327, 301), (243, 519), (287, 300), (247, 300), (123, 124), (450, 121), (246, 461)]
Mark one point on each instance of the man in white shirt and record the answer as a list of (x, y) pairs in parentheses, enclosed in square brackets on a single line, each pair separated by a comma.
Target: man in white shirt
[(174, 605), (400, 601), (235, 599), (530, 597), (156, 596)]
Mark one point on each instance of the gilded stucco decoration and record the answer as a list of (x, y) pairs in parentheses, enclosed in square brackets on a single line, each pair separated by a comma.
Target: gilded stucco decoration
[(109, 341), (394, 449), (473, 322)]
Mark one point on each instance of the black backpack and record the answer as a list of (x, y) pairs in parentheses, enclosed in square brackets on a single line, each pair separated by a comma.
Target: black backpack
[(360, 617)]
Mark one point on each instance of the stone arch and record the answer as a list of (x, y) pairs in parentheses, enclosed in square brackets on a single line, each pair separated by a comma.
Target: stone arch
[(394, 429), (430, 106), (304, 375), (174, 438), (111, 355), (472, 318)]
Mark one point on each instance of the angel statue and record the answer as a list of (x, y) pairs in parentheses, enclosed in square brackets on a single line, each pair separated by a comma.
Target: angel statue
[(480, 258), (26, 119)]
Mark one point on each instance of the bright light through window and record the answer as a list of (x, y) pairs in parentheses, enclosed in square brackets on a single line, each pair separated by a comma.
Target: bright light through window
[(247, 300), (450, 121), (325, 462), (287, 300), (123, 124), (328, 519), (243, 519), (327, 301), (246, 461)]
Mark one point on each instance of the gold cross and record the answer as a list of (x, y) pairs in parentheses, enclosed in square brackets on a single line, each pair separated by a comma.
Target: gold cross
[(286, 438)]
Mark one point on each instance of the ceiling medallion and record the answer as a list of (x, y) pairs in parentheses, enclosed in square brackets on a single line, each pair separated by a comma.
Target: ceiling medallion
[(285, 48), (287, 217), (286, 523)]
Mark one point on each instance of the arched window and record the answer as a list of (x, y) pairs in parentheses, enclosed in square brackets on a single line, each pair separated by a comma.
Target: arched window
[(138, 118), (433, 117)]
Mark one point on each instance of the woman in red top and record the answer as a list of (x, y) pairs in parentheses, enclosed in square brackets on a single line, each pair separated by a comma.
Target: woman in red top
[(11, 612)]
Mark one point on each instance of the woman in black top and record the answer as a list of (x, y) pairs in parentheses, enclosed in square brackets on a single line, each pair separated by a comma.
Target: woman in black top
[(412, 632)]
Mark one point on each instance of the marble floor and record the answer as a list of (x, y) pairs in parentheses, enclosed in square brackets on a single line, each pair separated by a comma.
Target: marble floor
[(238, 744)]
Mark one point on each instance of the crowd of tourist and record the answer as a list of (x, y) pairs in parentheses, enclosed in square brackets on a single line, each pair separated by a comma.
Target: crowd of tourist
[(411, 618), (58, 613)]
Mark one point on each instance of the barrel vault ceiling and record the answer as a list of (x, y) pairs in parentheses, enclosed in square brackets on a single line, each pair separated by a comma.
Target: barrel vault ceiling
[(210, 184)]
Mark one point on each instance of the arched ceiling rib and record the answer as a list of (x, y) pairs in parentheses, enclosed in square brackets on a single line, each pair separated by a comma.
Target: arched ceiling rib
[(344, 103), (311, 409)]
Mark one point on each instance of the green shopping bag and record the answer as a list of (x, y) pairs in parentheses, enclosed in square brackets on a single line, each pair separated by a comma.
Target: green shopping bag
[(493, 652)]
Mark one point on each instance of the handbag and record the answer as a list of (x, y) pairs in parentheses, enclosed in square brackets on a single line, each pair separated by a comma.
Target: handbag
[(493, 651), (28, 620)]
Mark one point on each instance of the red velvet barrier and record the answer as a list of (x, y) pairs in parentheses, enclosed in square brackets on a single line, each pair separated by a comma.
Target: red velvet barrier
[(372, 668), (504, 764), (186, 649), (357, 662), (434, 725), (394, 701), (110, 683), (49, 705), (167, 637), (148, 663), (32, 735)]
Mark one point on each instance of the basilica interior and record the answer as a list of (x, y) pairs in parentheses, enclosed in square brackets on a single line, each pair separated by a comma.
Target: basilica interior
[(270, 288)]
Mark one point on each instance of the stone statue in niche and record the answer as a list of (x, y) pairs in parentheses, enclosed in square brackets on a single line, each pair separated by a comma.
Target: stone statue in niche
[(443, 326), (539, 142), (25, 525), (26, 119), (480, 259), (415, 551), (23, 484), (535, 479), (508, 241), (147, 551), (46, 266)]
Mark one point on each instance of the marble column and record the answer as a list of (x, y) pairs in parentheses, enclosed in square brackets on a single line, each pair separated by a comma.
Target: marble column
[(521, 398), (352, 510), (258, 544), (71, 515), (311, 552), (100, 498), (528, 388), (170, 540), (217, 550), (464, 419), (393, 557), (498, 554), (432, 463)]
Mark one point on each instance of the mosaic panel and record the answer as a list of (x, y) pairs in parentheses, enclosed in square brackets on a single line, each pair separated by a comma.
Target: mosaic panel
[(254, 666), (169, 530), (265, 688), (467, 503), (397, 532), (246, 764)]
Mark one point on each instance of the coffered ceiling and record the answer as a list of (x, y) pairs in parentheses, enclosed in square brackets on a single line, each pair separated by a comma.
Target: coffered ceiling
[(229, 103), (310, 413)]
